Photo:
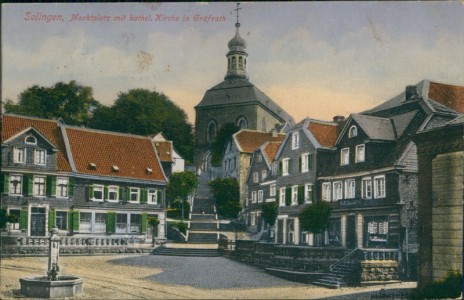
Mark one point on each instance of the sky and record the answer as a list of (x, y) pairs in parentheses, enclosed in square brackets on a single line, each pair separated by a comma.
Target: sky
[(314, 59)]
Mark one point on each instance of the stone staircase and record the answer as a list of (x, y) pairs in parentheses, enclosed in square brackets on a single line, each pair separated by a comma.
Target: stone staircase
[(342, 272), (197, 252)]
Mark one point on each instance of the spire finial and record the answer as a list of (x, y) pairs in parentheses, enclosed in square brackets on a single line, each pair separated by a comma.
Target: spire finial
[(237, 9)]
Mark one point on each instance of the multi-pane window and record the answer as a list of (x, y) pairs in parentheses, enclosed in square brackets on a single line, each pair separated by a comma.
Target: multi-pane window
[(39, 157), (282, 196), (263, 174), (260, 196), (379, 187), (30, 140), (272, 190), (326, 191), (304, 162), (252, 219), (62, 187), (134, 194), (337, 190), (367, 188), (85, 222), (345, 156), (113, 193), (274, 168), (121, 223), (100, 222), (61, 220), (39, 186), (295, 140), (360, 153), (135, 221), (152, 197), (349, 189), (15, 185), (253, 197), (308, 193), (377, 230), (14, 218), (255, 177), (98, 192), (294, 195), (285, 166), (19, 155)]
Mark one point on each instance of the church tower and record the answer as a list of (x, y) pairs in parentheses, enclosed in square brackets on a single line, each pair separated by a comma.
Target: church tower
[(234, 100)]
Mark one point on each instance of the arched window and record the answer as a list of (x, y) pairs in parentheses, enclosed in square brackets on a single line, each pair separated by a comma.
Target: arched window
[(244, 63), (240, 63), (242, 122), (228, 63), (211, 130), (30, 140), (353, 131), (234, 62)]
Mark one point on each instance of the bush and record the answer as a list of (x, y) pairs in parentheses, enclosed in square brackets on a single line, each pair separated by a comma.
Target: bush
[(450, 287), (315, 218), (175, 212), (181, 226), (226, 195)]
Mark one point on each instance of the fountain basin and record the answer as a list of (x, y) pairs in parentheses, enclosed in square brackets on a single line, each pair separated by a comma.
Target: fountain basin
[(42, 287)]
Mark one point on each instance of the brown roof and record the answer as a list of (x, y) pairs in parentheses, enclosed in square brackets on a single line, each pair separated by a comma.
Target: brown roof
[(131, 154), (13, 124), (451, 96), (164, 150), (271, 150), (325, 134), (249, 140)]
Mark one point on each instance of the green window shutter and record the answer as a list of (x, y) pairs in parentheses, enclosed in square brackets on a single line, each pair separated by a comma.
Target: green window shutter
[(105, 193), (143, 195), (51, 185), (6, 183), (122, 194), (51, 218), (310, 161), (28, 185), (110, 222), (23, 220), (75, 221), (71, 187), (280, 168), (159, 197), (70, 219), (299, 163), (301, 194), (288, 196), (143, 225), (90, 192)]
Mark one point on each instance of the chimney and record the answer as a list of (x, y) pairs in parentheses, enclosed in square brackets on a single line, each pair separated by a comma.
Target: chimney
[(411, 92), (274, 132), (338, 119)]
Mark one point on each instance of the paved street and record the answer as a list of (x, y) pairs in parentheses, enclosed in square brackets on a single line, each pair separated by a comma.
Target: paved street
[(205, 272)]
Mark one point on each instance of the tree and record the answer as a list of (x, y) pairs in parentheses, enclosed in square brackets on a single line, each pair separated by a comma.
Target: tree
[(153, 222), (315, 217), (70, 101), (220, 141), (144, 112), (181, 185), (226, 194), (269, 214)]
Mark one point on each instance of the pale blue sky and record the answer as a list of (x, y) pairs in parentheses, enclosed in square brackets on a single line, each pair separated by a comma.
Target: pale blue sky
[(316, 59)]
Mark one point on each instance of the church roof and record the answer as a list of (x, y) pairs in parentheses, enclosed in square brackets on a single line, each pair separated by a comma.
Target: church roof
[(239, 91)]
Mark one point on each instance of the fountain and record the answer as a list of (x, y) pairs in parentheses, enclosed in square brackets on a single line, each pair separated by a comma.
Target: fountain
[(53, 285)]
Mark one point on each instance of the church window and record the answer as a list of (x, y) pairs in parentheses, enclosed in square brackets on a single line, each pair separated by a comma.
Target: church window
[(211, 130), (353, 131), (242, 123), (244, 63), (234, 63), (240, 63)]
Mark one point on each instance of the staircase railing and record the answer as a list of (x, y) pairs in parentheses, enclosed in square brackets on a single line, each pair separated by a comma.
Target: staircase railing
[(350, 257)]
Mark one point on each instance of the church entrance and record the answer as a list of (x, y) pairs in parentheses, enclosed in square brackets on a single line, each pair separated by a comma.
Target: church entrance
[(206, 162)]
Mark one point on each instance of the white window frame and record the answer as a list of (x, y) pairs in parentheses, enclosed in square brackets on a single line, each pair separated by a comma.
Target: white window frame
[(152, 196), (285, 166), (123, 228), (274, 168), (359, 157), (337, 192), (308, 192), (11, 186), (260, 158), (133, 226), (345, 156), (282, 196), (379, 193), (98, 188), (115, 190), (37, 184), (263, 174), (272, 190), (326, 191), (304, 162), (252, 219), (366, 188), (82, 228), (63, 215), (294, 194), (254, 197), (98, 227), (295, 140), (136, 191), (40, 157), (260, 196), (255, 177), (19, 155), (62, 184), (30, 143), (353, 131), (350, 188)]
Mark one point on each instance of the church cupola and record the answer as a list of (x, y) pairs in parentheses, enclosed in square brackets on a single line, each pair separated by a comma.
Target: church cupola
[(237, 56)]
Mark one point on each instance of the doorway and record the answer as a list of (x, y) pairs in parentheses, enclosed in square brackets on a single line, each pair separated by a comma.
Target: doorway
[(37, 221), (351, 237)]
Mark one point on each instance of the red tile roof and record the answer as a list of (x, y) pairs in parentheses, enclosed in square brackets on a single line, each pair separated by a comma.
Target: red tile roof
[(271, 150), (164, 150), (449, 95), (131, 154), (325, 134), (13, 124), (249, 140)]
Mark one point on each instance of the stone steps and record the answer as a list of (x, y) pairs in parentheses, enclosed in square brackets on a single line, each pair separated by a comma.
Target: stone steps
[(192, 252)]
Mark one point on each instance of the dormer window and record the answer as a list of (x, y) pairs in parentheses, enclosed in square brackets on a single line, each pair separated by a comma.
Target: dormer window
[(92, 166), (353, 131), (115, 168), (295, 140), (19, 155), (149, 170), (39, 157), (30, 140)]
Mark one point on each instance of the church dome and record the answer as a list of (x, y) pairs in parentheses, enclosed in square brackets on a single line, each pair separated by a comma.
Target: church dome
[(237, 43)]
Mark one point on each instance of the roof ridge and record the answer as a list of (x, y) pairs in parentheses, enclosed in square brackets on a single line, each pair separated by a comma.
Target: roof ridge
[(30, 118), (108, 132)]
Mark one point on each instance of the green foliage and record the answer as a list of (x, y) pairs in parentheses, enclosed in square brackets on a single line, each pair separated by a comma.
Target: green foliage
[(3, 218), (175, 212), (144, 112), (449, 288), (220, 142), (181, 226), (226, 194), (181, 185), (270, 212), (153, 221), (70, 101), (315, 217)]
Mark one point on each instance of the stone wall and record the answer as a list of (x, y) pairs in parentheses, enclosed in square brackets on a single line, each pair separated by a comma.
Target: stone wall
[(379, 270)]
